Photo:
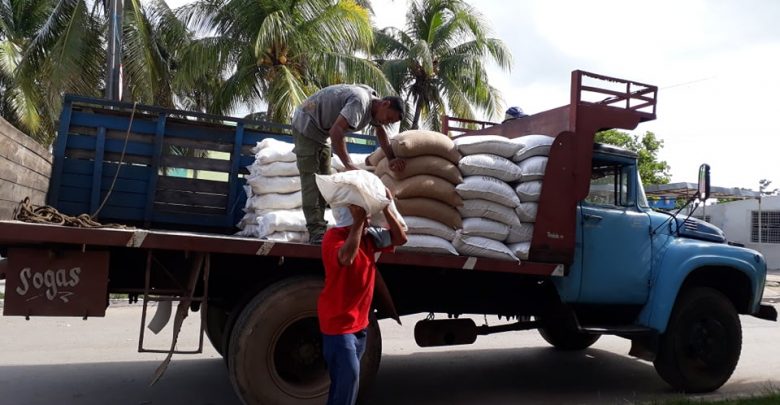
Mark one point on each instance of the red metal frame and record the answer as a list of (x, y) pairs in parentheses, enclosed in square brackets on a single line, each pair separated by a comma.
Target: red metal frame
[(574, 127)]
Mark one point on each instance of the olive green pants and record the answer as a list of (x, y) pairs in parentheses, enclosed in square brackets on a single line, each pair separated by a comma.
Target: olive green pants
[(313, 158)]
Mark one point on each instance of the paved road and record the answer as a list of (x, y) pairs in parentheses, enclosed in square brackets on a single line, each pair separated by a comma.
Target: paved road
[(70, 361)]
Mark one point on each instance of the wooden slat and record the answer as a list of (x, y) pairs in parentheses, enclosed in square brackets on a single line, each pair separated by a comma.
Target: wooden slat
[(213, 165), (196, 185), (188, 209), (109, 157), (199, 144), (132, 137), (190, 198)]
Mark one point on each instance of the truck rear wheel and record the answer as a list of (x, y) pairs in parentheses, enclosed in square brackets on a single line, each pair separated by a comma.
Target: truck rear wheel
[(275, 351), (702, 343), (564, 335)]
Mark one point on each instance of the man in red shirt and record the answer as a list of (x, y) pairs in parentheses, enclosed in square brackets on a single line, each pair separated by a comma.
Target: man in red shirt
[(345, 302)]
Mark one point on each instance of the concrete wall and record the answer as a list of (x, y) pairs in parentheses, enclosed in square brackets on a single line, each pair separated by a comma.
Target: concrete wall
[(734, 219), (25, 169)]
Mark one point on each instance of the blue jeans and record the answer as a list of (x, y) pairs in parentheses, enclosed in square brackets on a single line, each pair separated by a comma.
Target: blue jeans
[(343, 354)]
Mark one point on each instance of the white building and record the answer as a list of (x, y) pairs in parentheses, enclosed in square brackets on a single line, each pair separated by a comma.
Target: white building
[(739, 220)]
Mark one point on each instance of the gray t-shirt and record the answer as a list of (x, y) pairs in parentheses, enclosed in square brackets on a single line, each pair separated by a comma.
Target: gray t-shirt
[(318, 113)]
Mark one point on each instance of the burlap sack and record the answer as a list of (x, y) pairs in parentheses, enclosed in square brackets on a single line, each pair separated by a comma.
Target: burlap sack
[(424, 186), (417, 142), (431, 209), (375, 157), (426, 164)]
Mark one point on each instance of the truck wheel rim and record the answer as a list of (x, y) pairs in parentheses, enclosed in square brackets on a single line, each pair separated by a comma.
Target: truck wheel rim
[(297, 364), (705, 342)]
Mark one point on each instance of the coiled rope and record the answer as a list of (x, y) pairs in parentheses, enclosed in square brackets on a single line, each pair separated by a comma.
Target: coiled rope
[(46, 214)]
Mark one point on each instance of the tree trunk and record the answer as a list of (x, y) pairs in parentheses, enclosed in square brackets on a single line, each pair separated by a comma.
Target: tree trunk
[(417, 111)]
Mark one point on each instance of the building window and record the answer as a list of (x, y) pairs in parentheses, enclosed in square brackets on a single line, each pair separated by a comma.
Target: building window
[(770, 227)]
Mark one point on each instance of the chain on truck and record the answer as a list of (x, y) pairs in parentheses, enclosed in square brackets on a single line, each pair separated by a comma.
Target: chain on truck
[(610, 265)]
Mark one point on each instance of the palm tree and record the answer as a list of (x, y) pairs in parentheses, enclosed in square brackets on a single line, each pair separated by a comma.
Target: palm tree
[(278, 51), (53, 47), (21, 101), (437, 63)]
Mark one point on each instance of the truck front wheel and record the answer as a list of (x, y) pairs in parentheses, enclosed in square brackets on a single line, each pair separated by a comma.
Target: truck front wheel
[(702, 343), (275, 352)]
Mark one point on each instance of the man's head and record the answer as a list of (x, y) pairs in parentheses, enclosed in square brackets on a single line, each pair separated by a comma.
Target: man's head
[(387, 110)]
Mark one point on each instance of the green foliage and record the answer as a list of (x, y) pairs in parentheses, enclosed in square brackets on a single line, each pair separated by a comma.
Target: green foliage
[(437, 63), (277, 51), (652, 170)]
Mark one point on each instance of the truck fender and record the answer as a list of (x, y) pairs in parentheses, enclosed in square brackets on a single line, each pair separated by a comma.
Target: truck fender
[(666, 286)]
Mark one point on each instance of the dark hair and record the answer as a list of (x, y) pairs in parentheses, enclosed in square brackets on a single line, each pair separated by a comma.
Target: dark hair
[(396, 103)]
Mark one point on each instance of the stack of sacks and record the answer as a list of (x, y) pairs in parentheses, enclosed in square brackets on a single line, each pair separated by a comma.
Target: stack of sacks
[(425, 190), (489, 202), (273, 207), (531, 159), (358, 159)]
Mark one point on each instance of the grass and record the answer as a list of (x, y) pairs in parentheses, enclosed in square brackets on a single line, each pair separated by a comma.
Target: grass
[(771, 397)]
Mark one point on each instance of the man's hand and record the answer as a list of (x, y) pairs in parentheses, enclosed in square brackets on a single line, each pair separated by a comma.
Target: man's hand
[(350, 166), (397, 164)]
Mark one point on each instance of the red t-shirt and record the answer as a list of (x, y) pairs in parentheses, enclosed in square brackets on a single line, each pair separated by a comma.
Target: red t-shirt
[(345, 302)]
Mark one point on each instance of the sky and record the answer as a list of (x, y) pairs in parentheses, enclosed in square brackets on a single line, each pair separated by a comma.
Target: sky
[(716, 63)]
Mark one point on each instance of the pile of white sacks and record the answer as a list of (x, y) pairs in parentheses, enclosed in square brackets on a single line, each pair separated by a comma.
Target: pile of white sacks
[(500, 191), (273, 207), (474, 196)]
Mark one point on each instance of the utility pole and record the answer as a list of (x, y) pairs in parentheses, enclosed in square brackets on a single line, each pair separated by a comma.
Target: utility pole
[(114, 54)]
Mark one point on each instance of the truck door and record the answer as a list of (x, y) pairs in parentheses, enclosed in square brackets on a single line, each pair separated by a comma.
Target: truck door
[(615, 238)]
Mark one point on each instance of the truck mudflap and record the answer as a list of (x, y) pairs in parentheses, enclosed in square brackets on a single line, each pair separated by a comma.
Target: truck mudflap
[(766, 312), (49, 282)]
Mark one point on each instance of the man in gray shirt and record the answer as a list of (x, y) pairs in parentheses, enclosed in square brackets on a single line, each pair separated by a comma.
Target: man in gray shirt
[(331, 113)]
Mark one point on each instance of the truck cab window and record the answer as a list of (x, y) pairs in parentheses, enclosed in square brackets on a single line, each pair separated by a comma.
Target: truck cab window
[(610, 185)]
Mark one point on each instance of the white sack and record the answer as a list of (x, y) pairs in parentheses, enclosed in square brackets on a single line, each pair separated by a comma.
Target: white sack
[(488, 188), (522, 232), (274, 201), (250, 218), (379, 219), (520, 249), (527, 211), (533, 168), (288, 236), (274, 169), (358, 187), (358, 159), (478, 246), (426, 226), (478, 208), (489, 165), (248, 231), (529, 191), (270, 150), (278, 184), (281, 221), (532, 145), (428, 244), (486, 228), (492, 144)]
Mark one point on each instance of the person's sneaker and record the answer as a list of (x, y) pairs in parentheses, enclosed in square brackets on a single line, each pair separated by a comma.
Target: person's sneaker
[(316, 239)]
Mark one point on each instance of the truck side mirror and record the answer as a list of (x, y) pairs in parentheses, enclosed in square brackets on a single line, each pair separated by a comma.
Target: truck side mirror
[(704, 182)]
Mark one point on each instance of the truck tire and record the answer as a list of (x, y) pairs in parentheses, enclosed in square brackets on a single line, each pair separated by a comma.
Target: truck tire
[(702, 343), (275, 351), (564, 335)]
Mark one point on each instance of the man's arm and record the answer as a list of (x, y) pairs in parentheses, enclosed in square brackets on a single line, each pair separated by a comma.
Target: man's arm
[(348, 251), (397, 233), (395, 163), (337, 136)]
